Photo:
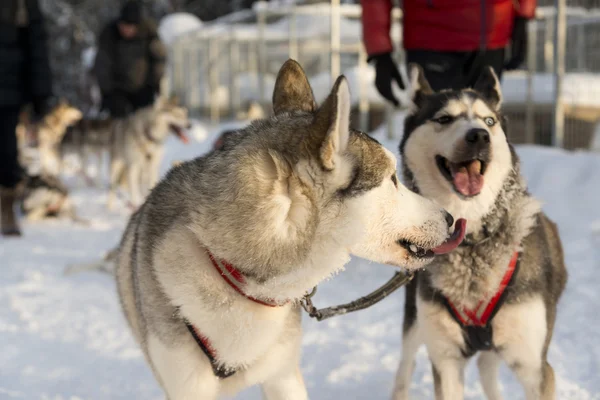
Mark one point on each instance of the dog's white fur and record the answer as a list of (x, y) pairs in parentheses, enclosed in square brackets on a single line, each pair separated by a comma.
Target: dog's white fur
[(520, 330), (264, 342), (427, 144)]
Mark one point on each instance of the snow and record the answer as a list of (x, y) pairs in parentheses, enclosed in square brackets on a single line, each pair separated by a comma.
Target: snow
[(177, 24), (63, 336), (578, 88)]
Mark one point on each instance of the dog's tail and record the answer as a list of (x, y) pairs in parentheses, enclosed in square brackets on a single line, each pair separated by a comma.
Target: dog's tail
[(106, 265)]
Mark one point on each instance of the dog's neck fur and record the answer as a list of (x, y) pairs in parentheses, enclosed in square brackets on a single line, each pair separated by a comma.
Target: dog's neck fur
[(473, 271)]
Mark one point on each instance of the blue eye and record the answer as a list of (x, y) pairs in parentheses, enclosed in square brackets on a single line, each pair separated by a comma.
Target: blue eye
[(489, 121)]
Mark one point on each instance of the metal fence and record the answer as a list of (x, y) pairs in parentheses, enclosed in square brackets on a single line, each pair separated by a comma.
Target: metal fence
[(232, 61)]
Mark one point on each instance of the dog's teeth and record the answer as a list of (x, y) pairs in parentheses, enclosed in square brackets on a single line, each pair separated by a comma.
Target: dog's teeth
[(447, 164), (413, 248)]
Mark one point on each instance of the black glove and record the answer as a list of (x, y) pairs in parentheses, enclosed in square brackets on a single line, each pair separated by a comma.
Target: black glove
[(386, 71), (518, 46), (117, 104)]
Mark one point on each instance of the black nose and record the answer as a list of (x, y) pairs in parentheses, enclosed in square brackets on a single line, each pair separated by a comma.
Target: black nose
[(477, 136), (449, 219)]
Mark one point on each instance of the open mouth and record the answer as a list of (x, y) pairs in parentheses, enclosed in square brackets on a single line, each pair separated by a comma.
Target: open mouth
[(452, 242), (466, 177), (178, 131)]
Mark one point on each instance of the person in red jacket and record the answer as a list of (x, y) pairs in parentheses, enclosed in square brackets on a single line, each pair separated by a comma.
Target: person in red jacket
[(452, 40)]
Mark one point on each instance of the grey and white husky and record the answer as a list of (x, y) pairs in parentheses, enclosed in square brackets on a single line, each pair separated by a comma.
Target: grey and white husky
[(496, 294), (211, 268), (137, 146)]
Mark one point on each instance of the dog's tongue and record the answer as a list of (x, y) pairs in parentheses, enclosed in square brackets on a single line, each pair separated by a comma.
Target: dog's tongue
[(180, 134), (467, 178), (460, 229)]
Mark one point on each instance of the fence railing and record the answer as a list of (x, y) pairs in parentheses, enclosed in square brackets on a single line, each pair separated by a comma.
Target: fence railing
[(230, 62)]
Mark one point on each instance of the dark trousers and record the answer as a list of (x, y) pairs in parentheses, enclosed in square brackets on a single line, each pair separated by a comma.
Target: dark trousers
[(121, 104), (455, 70), (10, 170)]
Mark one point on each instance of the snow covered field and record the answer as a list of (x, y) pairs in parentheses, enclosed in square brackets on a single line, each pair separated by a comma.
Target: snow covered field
[(63, 337)]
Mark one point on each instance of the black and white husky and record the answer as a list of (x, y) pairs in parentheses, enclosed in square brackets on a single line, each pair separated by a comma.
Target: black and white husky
[(496, 295)]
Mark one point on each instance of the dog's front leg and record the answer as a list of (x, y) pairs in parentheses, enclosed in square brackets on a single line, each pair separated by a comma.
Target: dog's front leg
[(443, 338), (183, 370), (488, 364), (448, 378), (285, 386), (410, 344), (521, 332), (155, 168), (134, 176)]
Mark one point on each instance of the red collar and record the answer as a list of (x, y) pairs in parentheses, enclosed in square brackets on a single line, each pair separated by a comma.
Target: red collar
[(235, 279), (479, 316), (231, 275)]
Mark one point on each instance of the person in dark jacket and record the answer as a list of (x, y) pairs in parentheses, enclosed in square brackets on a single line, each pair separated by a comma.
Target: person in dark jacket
[(25, 77), (130, 62), (452, 40)]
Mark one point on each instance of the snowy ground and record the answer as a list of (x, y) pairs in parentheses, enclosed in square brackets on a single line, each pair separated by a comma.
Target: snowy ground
[(63, 337)]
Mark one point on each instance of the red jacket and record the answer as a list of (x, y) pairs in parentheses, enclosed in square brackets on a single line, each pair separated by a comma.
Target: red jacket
[(444, 25)]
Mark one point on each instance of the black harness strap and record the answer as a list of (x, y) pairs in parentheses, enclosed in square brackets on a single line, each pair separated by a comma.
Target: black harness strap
[(480, 337), (219, 370)]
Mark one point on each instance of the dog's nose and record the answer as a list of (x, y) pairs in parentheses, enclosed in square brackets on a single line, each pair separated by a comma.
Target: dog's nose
[(477, 136), (449, 219)]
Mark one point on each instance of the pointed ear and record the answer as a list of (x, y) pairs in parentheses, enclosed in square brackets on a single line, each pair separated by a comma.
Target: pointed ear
[(159, 102), (334, 118), (488, 86), (418, 84), (292, 91)]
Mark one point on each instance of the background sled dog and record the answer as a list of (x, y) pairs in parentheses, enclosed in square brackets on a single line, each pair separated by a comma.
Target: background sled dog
[(497, 293), (46, 135), (137, 146), (211, 267), (89, 137), (46, 196)]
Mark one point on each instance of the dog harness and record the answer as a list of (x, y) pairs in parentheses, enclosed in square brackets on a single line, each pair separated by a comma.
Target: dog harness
[(235, 279), (476, 323)]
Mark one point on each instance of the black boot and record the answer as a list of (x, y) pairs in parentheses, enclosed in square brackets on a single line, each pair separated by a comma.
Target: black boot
[(8, 218)]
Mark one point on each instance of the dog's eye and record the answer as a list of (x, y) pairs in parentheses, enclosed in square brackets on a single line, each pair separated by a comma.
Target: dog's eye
[(395, 180), (489, 121), (444, 120)]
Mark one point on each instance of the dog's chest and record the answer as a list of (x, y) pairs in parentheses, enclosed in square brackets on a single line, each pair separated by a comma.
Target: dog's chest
[(242, 337), (470, 277)]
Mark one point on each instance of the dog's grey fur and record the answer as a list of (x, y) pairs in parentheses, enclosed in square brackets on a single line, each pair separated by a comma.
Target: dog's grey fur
[(137, 146), (89, 137), (503, 218), (285, 201)]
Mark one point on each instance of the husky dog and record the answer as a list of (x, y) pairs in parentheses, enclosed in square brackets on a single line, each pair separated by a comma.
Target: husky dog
[(88, 136), (212, 266), (46, 196), (137, 145), (497, 293), (46, 135)]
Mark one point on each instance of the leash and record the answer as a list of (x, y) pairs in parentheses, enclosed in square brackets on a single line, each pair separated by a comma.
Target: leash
[(396, 282)]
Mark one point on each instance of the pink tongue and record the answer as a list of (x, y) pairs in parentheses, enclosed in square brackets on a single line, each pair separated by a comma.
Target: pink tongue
[(180, 134), (468, 179), (460, 229)]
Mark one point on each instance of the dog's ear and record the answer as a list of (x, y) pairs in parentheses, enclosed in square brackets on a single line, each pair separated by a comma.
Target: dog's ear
[(488, 85), (173, 100), (419, 86), (333, 118), (159, 102), (292, 90)]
